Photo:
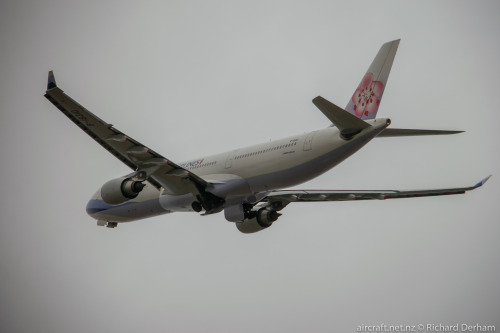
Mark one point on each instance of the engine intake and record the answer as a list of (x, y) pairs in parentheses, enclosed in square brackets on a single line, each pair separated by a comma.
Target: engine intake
[(120, 190), (261, 220)]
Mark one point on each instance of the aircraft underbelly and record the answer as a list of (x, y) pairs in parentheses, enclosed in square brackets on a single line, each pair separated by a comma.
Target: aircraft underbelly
[(127, 212), (325, 155)]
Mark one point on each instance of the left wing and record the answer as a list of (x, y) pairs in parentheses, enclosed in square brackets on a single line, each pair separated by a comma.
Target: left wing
[(283, 198), (147, 164)]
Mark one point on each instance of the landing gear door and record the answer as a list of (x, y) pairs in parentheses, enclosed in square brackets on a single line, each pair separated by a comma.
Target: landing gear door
[(230, 158)]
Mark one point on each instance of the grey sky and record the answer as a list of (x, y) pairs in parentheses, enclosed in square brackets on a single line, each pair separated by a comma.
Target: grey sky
[(194, 78)]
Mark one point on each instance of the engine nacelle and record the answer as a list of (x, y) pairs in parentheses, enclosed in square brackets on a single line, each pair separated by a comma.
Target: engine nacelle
[(119, 190), (263, 219)]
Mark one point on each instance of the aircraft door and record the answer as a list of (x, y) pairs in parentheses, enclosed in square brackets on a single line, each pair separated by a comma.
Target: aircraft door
[(308, 141), (230, 158)]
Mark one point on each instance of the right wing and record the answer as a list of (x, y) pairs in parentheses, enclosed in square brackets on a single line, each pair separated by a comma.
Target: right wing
[(147, 164), (283, 198)]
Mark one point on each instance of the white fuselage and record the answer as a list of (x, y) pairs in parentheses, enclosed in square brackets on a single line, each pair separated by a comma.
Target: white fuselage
[(249, 172)]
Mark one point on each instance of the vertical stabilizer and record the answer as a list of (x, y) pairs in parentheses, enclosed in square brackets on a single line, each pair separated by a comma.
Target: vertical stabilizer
[(366, 99)]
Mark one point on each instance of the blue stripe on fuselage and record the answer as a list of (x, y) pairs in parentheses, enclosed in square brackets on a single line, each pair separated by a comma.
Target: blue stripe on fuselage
[(96, 206)]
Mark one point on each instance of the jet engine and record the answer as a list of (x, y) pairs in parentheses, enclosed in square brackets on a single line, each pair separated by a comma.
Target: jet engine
[(258, 220), (119, 190)]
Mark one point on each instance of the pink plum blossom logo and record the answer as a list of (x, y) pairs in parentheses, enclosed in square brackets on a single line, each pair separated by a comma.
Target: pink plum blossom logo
[(366, 98)]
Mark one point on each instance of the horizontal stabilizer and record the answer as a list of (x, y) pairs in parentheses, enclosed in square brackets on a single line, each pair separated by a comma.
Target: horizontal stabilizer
[(393, 132), (347, 123)]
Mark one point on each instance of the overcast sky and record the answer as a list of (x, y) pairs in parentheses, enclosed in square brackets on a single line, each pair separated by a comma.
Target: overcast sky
[(191, 78)]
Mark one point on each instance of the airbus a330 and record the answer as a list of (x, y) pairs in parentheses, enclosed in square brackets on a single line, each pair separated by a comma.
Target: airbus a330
[(248, 183)]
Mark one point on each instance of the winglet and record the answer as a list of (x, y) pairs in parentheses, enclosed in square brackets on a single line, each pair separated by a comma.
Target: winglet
[(482, 182), (51, 83)]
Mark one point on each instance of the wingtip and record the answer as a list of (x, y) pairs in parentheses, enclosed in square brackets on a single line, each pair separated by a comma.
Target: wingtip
[(482, 182), (317, 98), (51, 83), (395, 41)]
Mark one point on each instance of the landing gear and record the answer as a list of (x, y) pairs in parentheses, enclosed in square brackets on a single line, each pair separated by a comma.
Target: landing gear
[(210, 203), (196, 205), (103, 223)]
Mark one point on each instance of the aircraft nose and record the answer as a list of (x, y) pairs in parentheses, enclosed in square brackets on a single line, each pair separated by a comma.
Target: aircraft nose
[(92, 207), (95, 204)]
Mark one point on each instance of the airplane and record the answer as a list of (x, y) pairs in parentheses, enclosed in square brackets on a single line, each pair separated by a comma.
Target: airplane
[(248, 183)]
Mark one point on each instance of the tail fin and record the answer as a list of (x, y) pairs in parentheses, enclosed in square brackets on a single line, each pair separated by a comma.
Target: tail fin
[(366, 99)]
